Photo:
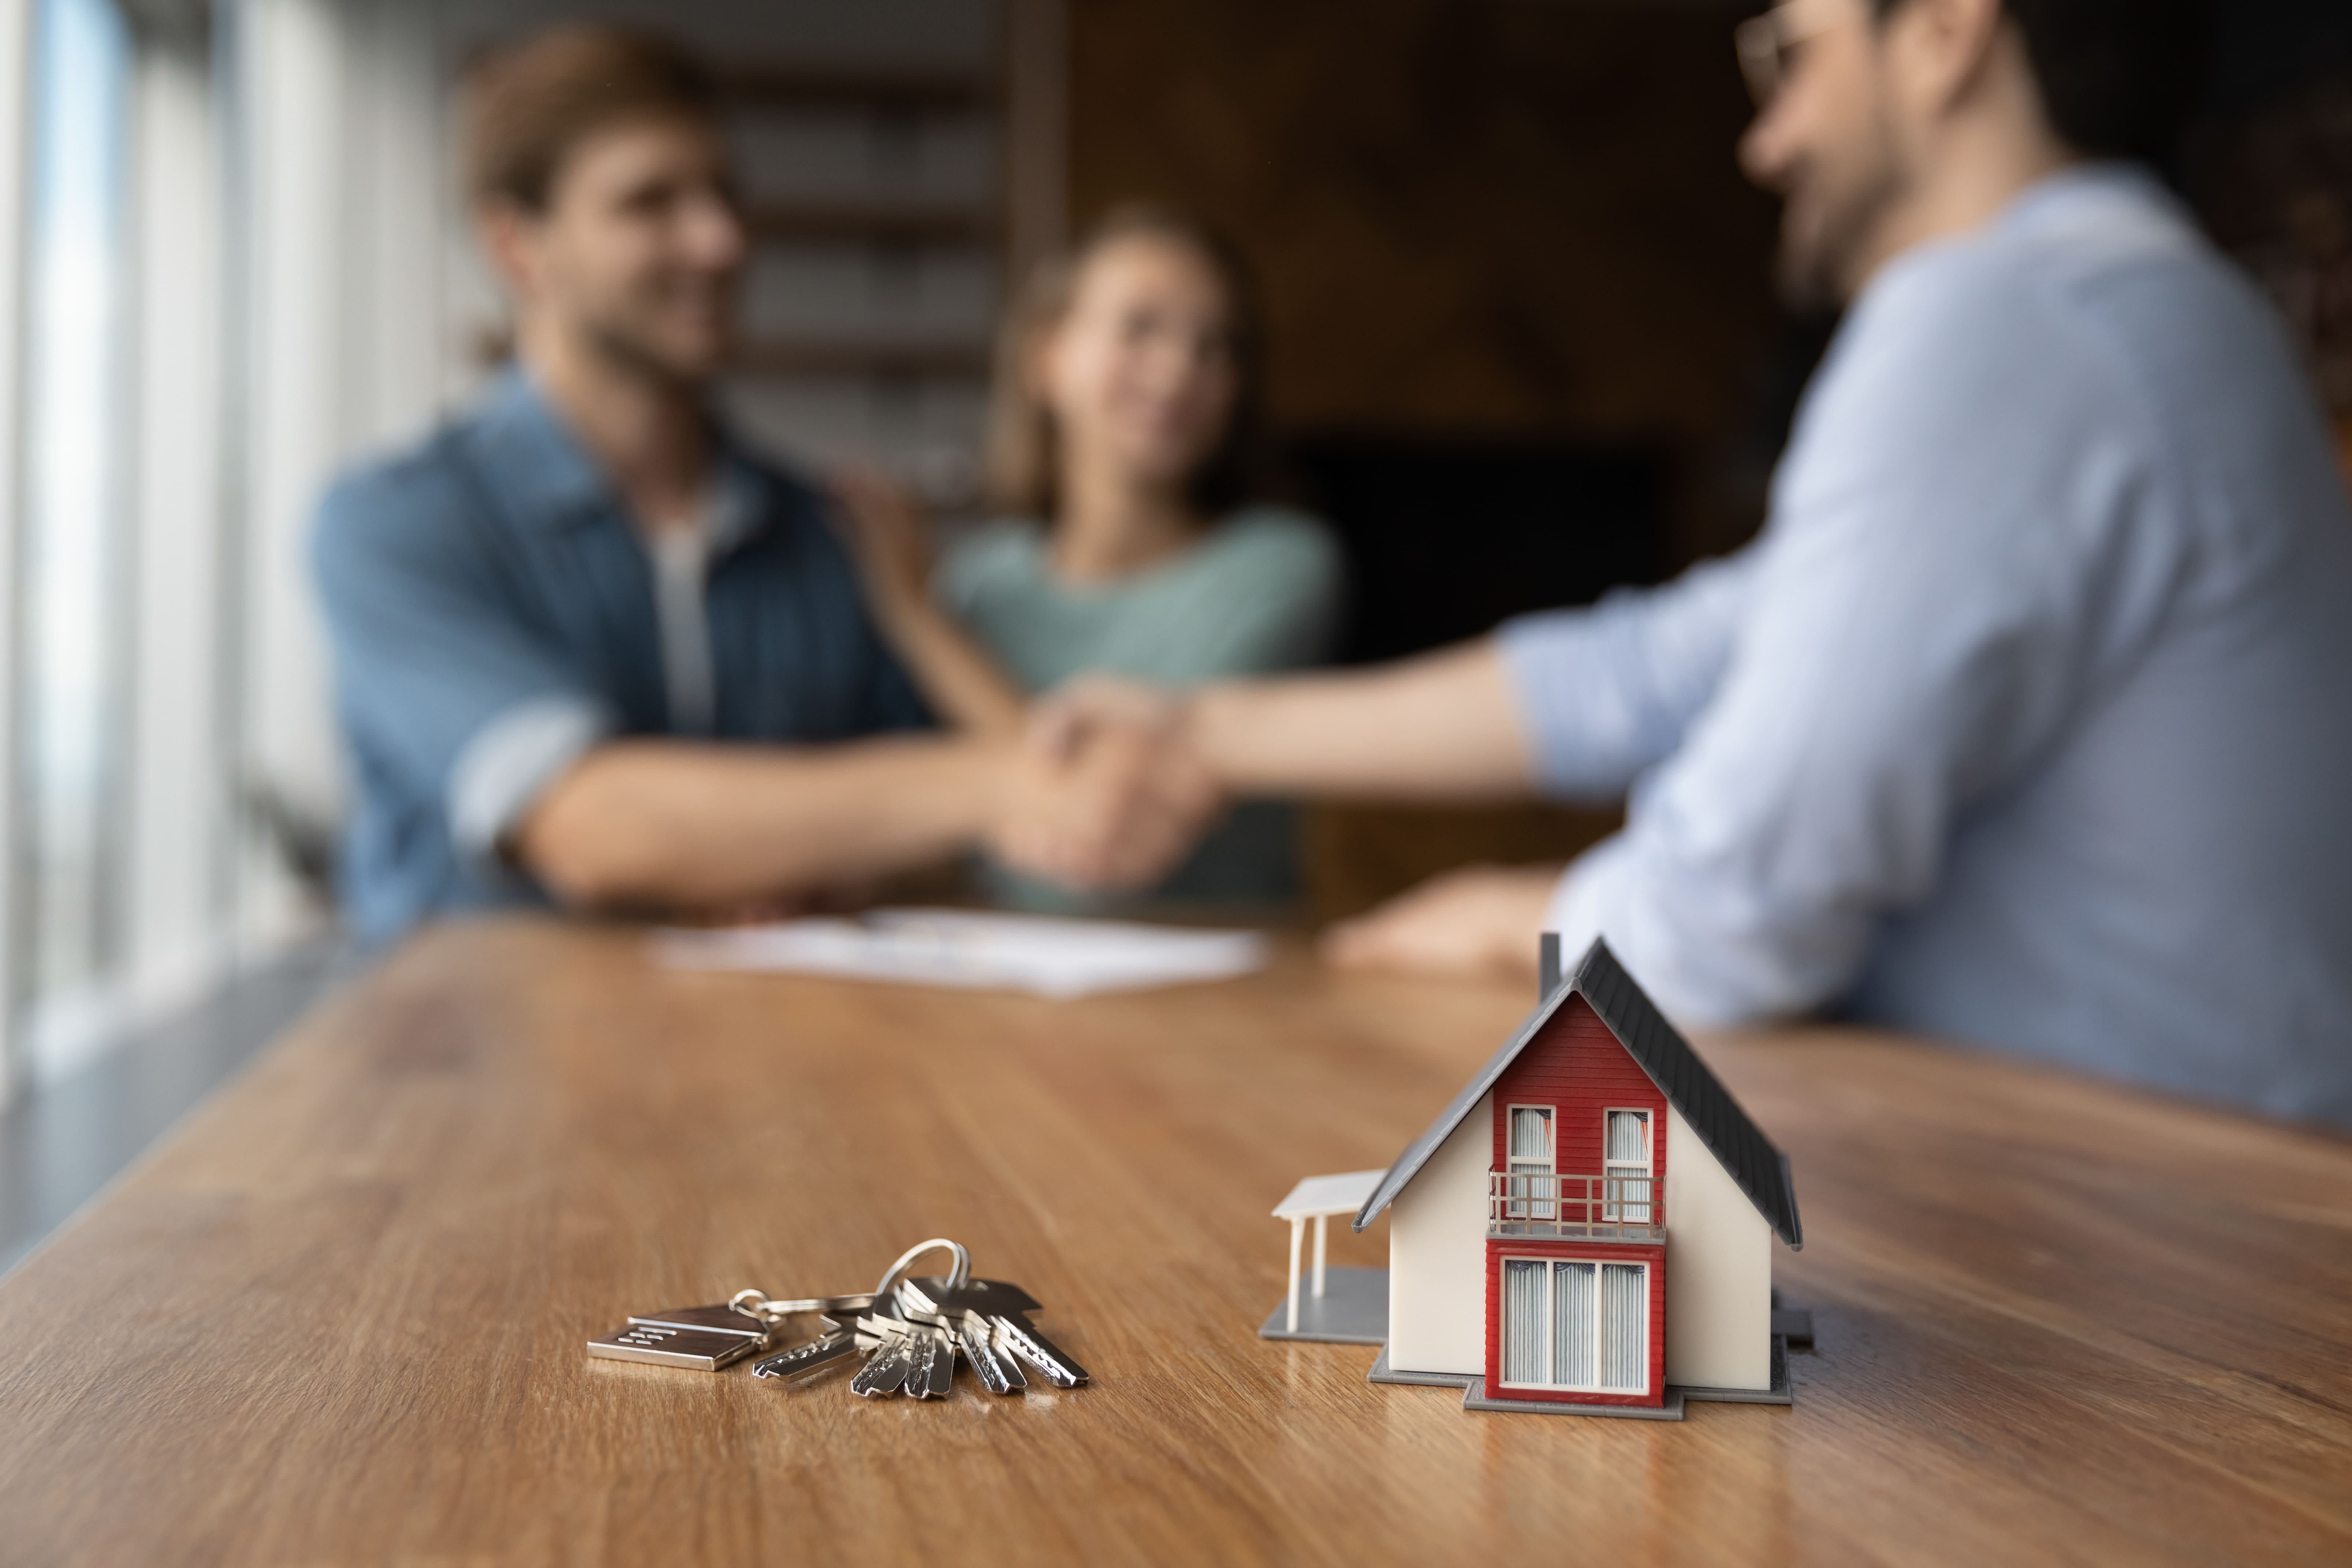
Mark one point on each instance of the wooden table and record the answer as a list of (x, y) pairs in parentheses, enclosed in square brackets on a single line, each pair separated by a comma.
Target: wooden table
[(339, 1317)]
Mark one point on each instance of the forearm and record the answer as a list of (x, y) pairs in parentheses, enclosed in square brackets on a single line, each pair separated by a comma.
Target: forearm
[(955, 674), (1441, 727), (685, 825)]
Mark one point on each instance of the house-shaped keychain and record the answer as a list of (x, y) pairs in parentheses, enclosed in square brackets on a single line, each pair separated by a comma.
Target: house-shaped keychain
[(1586, 1229)]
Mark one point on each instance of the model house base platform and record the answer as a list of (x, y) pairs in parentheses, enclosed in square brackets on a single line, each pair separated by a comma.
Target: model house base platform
[(1353, 1310), (1475, 1397)]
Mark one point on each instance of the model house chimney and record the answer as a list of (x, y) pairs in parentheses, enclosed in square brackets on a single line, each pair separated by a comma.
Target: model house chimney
[(1548, 965)]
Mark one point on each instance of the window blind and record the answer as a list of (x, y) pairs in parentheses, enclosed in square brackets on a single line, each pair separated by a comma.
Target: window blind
[(1523, 1322), (1625, 1349)]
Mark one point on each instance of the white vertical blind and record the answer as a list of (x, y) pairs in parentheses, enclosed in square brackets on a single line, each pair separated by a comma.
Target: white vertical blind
[(1523, 1322), (1626, 1155), (341, 217), (177, 802), (1572, 1324), (71, 545), (1629, 1137), (1625, 1332), (293, 101), (1576, 1325), (15, 40), (1530, 1133), (233, 220), (1531, 1156)]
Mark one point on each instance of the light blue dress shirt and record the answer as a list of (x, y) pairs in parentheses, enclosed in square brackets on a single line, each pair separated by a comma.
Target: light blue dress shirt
[(2027, 721)]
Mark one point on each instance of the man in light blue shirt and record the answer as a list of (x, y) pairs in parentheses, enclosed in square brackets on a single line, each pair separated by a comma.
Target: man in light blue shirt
[(2028, 720)]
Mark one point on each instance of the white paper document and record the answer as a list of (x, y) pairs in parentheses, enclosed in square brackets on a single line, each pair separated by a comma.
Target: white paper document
[(975, 951)]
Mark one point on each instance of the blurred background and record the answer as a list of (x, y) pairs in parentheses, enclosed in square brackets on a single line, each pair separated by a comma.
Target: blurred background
[(1525, 349)]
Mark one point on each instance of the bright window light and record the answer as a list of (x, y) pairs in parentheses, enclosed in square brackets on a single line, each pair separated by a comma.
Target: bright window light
[(76, 448)]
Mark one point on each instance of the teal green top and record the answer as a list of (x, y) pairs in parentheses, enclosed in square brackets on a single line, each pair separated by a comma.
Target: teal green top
[(1261, 592)]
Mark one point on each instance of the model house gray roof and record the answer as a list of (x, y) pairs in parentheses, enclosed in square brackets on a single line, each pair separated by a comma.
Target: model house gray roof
[(1761, 1170)]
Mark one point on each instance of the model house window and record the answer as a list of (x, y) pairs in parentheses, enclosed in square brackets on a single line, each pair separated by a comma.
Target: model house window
[(1531, 1157), (1574, 1325), (1626, 1164)]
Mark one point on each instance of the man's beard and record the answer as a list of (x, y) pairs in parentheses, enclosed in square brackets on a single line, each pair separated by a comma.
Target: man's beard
[(1821, 264), (618, 342)]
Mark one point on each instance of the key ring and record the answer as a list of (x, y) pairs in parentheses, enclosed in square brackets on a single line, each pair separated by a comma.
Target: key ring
[(757, 1304), (957, 1278)]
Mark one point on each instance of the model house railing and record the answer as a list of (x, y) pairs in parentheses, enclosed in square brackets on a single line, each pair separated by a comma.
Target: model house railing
[(1622, 1208)]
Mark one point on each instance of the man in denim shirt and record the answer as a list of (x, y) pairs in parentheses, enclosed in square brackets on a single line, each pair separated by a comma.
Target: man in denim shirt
[(559, 620)]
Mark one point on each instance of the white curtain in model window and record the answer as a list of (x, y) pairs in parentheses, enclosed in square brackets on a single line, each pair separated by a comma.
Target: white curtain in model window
[(1576, 1325), (1523, 1322), (1627, 1162), (1531, 1158), (1571, 1324), (1625, 1332)]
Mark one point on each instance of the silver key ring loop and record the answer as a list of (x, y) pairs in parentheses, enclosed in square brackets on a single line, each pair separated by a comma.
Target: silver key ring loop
[(754, 1304), (958, 1277)]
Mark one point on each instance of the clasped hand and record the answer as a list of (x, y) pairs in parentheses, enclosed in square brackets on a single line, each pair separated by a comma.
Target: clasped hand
[(1107, 793)]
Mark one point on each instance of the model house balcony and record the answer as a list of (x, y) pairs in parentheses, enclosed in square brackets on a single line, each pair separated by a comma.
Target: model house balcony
[(1602, 1208)]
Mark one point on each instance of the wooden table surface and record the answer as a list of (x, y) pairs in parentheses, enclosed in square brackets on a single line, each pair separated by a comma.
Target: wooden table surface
[(339, 1316)]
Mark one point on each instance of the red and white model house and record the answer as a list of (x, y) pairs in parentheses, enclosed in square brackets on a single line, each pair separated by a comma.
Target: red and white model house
[(1588, 1227)]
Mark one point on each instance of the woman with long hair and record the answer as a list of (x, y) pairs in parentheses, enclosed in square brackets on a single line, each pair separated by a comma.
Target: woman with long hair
[(1126, 536)]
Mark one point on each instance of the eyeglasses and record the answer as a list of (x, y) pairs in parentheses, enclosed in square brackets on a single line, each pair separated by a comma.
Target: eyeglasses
[(1768, 44)]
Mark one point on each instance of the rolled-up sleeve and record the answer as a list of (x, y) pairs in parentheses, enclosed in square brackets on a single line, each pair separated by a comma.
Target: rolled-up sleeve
[(445, 687), (508, 765), (1606, 693)]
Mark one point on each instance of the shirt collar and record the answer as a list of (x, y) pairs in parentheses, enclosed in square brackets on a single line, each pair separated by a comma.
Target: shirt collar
[(2104, 192), (549, 479), (531, 457), (738, 506)]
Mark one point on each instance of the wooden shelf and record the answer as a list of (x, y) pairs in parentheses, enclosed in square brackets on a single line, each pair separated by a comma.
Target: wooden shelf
[(935, 92), (863, 221), (786, 356)]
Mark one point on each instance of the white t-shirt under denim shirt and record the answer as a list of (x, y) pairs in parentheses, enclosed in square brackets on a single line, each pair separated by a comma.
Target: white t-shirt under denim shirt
[(1259, 593), (2028, 721)]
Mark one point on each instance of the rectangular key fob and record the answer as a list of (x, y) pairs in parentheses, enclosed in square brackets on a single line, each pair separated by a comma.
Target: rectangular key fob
[(703, 1339)]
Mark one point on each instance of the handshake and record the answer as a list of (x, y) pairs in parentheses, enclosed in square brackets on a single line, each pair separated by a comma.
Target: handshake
[(1110, 791), (1115, 781)]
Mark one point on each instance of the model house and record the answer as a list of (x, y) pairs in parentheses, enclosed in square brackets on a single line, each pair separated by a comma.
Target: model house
[(1589, 1226)]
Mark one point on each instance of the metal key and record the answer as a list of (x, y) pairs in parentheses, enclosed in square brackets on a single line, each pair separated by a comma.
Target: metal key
[(999, 1373), (837, 1339), (821, 1351), (1002, 1307), (929, 1353), (885, 1372), (1017, 1336), (913, 1329), (934, 1373)]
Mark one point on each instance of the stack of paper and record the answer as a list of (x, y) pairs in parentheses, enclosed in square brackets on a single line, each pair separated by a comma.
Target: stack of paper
[(975, 951)]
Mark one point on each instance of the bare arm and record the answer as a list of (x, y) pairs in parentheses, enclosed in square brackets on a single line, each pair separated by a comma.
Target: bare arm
[(679, 825), (1443, 727), (955, 674), (1440, 727)]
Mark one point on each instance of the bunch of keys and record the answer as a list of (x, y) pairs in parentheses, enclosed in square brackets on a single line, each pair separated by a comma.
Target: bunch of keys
[(911, 1330)]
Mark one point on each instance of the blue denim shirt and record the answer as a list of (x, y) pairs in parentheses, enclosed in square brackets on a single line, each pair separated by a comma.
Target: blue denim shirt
[(492, 613)]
